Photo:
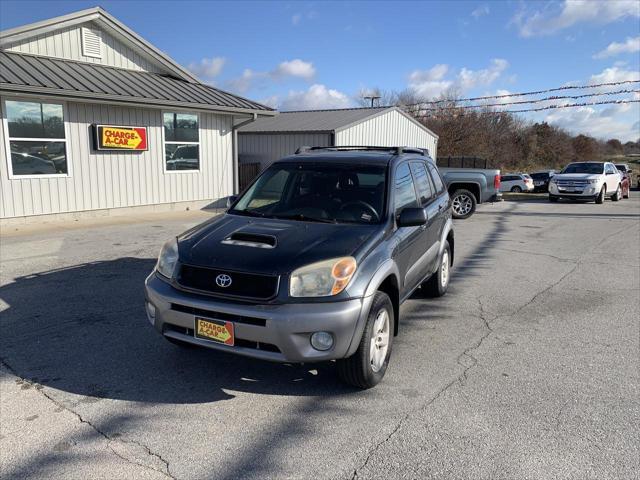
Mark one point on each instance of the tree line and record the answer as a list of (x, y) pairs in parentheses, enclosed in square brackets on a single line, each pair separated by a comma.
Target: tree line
[(506, 140)]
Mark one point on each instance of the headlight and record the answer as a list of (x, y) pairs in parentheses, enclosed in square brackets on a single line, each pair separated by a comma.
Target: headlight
[(593, 180), (322, 279), (168, 258), (553, 180)]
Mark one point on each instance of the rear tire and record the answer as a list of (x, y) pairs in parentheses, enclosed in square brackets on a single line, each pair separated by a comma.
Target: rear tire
[(600, 197), (553, 198), (463, 204), (618, 195), (367, 366), (438, 284), (516, 189)]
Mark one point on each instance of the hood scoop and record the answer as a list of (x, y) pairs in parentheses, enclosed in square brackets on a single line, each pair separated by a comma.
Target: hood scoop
[(248, 239)]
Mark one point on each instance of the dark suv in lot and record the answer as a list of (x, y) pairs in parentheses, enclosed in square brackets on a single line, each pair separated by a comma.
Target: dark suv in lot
[(311, 262)]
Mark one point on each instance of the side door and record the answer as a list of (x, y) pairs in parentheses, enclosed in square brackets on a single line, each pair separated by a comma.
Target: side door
[(612, 177), (442, 201), (426, 249), (404, 196)]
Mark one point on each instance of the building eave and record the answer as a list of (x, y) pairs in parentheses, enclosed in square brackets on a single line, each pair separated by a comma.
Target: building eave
[(104, 19), (22, 90)]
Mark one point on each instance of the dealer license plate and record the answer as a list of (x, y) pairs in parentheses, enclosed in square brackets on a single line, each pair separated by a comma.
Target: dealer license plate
[(219, 331), (538, 183)]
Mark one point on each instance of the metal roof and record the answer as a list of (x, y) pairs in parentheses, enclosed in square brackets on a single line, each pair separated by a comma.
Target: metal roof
[(21, 73), (312, 120)]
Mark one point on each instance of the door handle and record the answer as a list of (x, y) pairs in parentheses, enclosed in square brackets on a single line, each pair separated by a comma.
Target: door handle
[(423, 227)]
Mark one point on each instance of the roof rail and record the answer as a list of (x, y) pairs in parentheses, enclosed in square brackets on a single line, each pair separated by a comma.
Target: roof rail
[(345, 148)]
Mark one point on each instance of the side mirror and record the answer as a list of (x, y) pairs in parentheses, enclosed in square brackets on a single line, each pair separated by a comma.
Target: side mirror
[(231, 200), (629, 171), (412, 217)]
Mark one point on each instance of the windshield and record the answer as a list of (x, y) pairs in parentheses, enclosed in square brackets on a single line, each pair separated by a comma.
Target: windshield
[(539, 176), (622, 168), (317, 192), (585, 167)]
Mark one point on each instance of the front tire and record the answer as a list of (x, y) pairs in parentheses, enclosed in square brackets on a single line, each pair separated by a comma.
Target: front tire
[(367, 366), (463, 204), (553, 198), (516, 189), (618, 195), (600, 197), (438, 284)]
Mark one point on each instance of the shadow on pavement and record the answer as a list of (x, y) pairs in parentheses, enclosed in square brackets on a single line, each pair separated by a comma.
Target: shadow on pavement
[(83, 330)]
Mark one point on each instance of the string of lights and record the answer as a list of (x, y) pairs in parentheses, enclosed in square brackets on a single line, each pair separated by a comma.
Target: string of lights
[(537, 100), (523, 94), (550, 107)]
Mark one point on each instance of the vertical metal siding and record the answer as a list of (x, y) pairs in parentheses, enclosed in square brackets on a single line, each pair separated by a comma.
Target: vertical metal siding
[(266, 148), (388, 129), (101, 180), (67, 43)]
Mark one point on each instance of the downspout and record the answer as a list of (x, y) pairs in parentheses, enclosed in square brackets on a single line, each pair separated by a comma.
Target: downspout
[(236, 175)]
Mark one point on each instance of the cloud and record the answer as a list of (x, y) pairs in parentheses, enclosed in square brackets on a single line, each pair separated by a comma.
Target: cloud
[(480, 11), (632, 45), (295, 68), (295, 19), (208, 68), (317, 97), (288, 69), (603, 124), (433, 82), (614, 74), (550, 20)]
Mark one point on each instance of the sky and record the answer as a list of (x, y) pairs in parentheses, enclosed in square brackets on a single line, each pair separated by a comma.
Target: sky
[(311, 55)]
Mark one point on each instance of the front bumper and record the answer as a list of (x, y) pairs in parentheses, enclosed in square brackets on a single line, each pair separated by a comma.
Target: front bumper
[(586, 192), (278, 333)]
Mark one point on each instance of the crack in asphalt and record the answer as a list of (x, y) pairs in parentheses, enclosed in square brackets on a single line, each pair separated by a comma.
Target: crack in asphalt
[(460, 379), (104, 435)]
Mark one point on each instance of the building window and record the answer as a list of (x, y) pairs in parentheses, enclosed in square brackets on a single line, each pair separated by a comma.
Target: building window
[(181, 141), (37, 139)]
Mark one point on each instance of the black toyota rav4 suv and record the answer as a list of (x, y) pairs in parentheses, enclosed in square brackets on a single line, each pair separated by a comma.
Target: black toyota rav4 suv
[(312, 261)]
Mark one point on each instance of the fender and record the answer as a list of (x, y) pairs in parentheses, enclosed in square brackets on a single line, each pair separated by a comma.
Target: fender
[(387, 268), (448, 227)]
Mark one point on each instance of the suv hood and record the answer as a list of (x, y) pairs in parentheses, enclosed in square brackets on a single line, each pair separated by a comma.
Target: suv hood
[(578, 176), (296, 243)]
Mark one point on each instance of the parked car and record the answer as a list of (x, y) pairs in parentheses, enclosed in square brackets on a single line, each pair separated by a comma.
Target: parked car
[(587, 181), (311, 262), (26, 164), (470, 186), (541, 180), (626, 178), (516, 183)]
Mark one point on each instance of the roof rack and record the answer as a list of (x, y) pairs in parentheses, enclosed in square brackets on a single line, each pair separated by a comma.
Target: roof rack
[(346, 148)]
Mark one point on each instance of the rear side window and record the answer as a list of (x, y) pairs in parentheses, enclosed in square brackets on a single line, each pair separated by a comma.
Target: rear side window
[(422, 182), (405, 194), (437, 180)]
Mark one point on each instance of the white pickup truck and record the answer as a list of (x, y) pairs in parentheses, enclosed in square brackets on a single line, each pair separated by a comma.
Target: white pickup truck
[(591, 181)]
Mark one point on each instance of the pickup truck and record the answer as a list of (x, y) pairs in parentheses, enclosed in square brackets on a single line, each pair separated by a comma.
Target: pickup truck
[(470, 186)]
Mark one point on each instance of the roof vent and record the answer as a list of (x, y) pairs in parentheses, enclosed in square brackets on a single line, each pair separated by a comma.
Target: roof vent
[(91, 43)]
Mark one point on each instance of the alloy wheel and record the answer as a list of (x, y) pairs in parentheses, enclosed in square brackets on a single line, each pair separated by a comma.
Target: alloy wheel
[(462, 204), (379, 340)]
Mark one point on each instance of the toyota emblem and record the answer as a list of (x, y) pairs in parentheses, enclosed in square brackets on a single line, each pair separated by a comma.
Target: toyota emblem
[(223, 280)]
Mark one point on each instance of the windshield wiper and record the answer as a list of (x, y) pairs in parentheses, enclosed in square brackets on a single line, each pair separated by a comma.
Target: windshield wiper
[(305, 218), (251, 213)]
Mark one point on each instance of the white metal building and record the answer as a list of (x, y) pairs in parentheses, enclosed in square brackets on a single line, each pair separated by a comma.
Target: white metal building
[(269, 139), (96, 118)]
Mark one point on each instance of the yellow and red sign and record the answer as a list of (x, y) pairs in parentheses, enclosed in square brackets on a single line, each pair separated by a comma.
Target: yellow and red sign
[(111, 137), (217, 330)]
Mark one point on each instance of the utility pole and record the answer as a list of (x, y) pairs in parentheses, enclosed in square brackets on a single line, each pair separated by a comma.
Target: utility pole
[(372, 97)]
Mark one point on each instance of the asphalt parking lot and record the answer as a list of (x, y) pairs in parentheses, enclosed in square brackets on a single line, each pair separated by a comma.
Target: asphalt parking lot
[(528, 368)]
